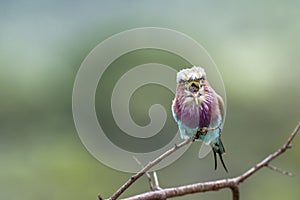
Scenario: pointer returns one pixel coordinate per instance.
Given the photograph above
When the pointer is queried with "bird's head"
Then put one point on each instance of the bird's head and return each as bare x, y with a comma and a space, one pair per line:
190, 83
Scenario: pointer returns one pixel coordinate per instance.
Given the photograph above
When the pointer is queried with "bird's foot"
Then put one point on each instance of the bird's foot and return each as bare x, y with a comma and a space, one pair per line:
203, 130
200, 131
195, 137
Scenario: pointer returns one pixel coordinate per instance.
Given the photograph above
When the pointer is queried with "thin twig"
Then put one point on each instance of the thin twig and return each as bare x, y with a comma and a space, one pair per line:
157, 187
147, 168
151, 187
231, 183
277, 169
147, 174
269, 158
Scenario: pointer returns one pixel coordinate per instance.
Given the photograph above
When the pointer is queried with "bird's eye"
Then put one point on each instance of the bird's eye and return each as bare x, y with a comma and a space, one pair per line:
183, 82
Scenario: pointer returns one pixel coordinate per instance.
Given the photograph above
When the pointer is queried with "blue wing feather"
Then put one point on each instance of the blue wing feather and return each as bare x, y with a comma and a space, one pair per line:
213, 135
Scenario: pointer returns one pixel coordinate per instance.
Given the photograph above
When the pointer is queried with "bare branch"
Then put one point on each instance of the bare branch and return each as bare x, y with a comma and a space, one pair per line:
231, 183
269, 158
235, 192
147, 174
281, 171
150, 181
186, 189
157, 187
147, 168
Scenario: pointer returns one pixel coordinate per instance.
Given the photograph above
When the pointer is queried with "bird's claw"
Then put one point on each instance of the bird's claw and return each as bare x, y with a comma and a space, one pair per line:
200, 131
203, 130
195, 137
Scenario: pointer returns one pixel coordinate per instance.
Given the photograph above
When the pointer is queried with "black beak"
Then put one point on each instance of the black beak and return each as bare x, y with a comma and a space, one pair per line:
194, 87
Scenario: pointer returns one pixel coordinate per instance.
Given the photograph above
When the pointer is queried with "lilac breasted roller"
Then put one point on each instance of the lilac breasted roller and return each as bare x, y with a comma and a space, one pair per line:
197, 107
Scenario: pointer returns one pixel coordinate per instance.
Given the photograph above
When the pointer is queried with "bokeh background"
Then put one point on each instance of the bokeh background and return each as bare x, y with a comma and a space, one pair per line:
255, 45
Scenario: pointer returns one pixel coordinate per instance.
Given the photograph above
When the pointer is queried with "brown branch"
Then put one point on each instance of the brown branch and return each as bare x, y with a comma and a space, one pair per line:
146, 168
235, 192
147, 174
231, 183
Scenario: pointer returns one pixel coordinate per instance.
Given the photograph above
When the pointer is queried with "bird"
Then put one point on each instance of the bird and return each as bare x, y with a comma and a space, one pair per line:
199, 110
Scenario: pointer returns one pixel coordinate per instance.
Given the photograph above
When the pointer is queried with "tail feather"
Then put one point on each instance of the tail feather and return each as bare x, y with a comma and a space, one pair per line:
215, 158
219, 149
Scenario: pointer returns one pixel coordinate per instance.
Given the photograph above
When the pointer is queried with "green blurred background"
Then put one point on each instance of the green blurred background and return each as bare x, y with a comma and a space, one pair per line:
42, 44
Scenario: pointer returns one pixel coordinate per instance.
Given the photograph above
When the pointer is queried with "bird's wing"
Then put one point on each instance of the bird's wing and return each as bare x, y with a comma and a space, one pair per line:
222, 108
173, 111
